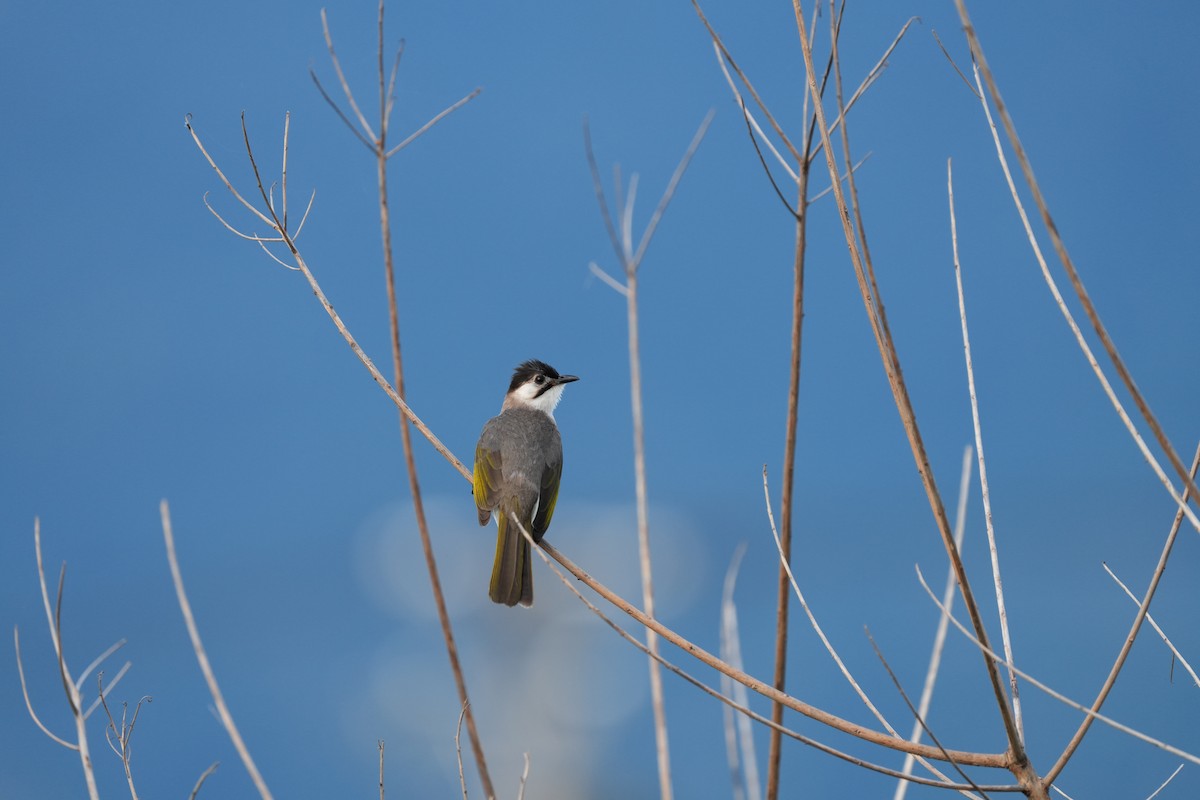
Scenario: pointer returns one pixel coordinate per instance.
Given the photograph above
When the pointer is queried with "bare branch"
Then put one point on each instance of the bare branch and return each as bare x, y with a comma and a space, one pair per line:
277, 259
739, 737
344, 331
341, 115
25, 694
750, 119
1093, 715
462, 779
1074, 326
939, 637
612, 282
623, 244
746, 82
920, 719
203, 777
124, 734
54, 622
762, 160
524, 778
829, 648
107, 689
1001, 609
202, 658
337, 67
381, 744
868, 289
1068, 264
237, 195
1174, 650
304, 219
872, 76
598, 187
1170, 778
998, 760
950, 58
829, 189
438, 118
546, 551
1134, 628
655, 218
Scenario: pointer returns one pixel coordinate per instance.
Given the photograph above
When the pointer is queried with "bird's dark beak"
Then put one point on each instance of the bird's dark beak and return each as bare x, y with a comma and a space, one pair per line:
566, 379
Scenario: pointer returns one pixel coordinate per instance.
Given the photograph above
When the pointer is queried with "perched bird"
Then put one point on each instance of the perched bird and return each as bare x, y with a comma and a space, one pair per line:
518, 463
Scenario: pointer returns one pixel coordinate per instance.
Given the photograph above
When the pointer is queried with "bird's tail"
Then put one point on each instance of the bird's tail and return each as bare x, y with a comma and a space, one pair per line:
512, 574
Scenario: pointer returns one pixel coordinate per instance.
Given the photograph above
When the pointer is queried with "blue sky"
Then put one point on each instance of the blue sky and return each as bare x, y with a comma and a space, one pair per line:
149, 354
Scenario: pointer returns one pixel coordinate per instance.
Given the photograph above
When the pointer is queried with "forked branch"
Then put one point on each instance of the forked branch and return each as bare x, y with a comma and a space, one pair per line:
378, 144
864, 273
631, 260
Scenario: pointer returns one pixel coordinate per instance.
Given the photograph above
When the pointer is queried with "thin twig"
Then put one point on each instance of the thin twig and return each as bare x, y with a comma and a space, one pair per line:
202, 658
950, 58
462, 778
887, 350
398, 399
302, 265
794, 213
631, 261
612, 282
1074, 326
816, 626
74, 701
739, 737
829, 189
1170, 778
775, 126
913, 709
524, 778
441, 115
1174, 650
1000, 760
1062, 698
203, 777
1126, 647
1001, 609
124, 734
1064, 257
28, 702
750, 119
939, 637
381, 784
97, 661
337, 67
546, 551
872, 76
669, 192
380, 150
337, 110
107, 689
1180, 499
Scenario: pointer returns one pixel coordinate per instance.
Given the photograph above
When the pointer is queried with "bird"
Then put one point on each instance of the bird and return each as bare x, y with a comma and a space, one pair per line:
518, 464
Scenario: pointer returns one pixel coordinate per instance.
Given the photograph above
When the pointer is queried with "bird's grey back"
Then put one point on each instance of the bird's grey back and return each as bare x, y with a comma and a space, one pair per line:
528, 440
529, 443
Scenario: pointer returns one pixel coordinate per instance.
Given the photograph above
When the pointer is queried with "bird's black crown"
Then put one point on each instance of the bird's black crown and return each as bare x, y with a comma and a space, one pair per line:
529, 369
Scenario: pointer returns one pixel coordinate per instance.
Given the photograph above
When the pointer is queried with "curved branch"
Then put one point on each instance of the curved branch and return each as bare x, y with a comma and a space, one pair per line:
997, 760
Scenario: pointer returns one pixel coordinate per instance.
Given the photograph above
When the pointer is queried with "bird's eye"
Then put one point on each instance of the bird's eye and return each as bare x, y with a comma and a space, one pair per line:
540, 379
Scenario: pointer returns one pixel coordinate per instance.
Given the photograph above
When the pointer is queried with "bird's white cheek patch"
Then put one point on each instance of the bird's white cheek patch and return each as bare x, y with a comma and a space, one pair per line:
548, 401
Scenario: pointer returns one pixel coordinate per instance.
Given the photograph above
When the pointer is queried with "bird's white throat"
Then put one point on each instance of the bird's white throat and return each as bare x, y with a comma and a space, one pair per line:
526, 396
